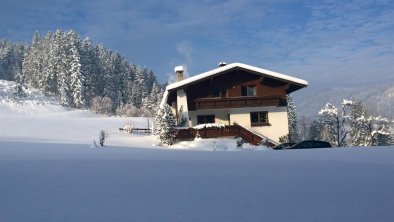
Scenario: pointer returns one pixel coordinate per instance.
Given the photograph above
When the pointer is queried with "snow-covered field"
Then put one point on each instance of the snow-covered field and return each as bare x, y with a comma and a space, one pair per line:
49, 172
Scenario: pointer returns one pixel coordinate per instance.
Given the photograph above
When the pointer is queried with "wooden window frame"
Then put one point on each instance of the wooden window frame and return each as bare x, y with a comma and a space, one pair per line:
259, 120
206, 118
247, 88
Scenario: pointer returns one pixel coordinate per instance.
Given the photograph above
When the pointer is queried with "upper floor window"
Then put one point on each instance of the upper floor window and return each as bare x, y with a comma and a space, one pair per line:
218, 92
248, 90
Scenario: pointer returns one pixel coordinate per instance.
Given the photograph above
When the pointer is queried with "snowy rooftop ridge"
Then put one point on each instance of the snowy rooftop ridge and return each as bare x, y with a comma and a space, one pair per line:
233, 65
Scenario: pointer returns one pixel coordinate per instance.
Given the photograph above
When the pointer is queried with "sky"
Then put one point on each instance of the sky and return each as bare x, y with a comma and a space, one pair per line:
328, 43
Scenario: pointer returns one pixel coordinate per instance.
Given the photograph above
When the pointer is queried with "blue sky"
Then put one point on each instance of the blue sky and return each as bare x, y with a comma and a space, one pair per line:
328, 43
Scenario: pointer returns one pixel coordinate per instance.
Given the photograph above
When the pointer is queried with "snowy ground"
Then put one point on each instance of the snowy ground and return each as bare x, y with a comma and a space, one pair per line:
49, 172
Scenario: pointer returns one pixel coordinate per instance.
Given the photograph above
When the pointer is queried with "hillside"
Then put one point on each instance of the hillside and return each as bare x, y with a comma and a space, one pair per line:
51, 172
379, 99
37, 118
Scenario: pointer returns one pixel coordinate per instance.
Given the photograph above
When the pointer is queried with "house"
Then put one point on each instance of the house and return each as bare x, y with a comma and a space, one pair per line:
235, 93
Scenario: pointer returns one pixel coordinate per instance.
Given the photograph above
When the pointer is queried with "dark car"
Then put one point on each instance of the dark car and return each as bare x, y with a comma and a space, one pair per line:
283, 146
309, 144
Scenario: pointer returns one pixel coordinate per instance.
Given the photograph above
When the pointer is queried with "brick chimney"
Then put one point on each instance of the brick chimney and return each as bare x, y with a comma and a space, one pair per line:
179, 73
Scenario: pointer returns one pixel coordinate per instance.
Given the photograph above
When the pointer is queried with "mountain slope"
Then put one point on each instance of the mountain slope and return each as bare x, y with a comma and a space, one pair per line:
379, 99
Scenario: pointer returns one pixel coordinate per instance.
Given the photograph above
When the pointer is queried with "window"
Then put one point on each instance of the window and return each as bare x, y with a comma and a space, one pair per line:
248, 90
216, 92
259, 118
205, 119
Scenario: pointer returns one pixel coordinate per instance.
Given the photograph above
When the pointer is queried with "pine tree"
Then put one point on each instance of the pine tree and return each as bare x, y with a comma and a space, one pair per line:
292, 120
76, 79
20, 87
314, 131
165, 125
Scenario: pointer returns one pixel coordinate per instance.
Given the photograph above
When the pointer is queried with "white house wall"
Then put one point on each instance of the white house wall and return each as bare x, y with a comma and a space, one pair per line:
277, 117
221, 116
182, 102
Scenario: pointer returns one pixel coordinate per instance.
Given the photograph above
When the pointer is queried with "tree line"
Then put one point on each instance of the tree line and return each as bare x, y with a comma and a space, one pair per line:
80, 74
350, 125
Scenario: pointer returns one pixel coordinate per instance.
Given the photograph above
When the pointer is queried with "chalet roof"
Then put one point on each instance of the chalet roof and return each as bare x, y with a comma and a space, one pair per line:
223, 69
296, 82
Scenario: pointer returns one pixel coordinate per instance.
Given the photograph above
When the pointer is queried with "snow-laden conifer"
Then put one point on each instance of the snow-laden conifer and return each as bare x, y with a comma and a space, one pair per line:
292, 120
165, 125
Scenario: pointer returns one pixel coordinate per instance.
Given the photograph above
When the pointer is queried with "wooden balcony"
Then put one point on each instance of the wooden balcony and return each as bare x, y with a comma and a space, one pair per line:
238, 102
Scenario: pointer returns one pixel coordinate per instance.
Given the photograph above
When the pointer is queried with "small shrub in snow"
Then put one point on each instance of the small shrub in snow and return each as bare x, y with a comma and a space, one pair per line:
102, 137
240, 142
101, 105
284, 139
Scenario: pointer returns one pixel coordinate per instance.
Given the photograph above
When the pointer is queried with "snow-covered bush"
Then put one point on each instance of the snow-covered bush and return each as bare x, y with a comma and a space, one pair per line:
128, 110
101, 105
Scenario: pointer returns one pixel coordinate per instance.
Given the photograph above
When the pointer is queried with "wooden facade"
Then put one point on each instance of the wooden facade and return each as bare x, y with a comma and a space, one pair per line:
225, 91
238, 102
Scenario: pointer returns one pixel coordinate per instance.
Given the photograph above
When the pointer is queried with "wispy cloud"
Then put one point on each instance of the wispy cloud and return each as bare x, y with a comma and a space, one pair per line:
326, 42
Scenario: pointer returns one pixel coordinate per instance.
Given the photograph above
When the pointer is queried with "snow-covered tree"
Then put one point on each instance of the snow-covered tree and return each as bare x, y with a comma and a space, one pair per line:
335, 124
303, 124
165, 125
354, 126
20, 87
101, 105
75, 71
127, 110
11, 59
292, 120
315, 130
76, 78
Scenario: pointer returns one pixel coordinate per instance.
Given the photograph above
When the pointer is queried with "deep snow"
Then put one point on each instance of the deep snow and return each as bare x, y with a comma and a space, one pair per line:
49, 172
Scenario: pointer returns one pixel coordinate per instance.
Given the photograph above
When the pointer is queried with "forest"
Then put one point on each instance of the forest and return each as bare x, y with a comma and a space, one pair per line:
81, 74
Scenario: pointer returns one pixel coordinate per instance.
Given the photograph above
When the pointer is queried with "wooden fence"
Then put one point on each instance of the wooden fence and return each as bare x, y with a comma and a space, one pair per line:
226, 131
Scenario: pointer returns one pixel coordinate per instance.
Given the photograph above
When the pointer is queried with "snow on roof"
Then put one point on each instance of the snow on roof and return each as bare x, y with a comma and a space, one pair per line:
178, 69
233, 65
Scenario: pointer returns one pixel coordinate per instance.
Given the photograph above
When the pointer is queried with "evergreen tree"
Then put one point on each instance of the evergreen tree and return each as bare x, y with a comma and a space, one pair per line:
292, 120
165, 125
359, 125
76, 79
76, 72
20, 87
11, 58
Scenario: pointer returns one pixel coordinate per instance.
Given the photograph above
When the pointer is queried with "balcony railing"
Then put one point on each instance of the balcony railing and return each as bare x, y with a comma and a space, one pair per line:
227, 131
238, 102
